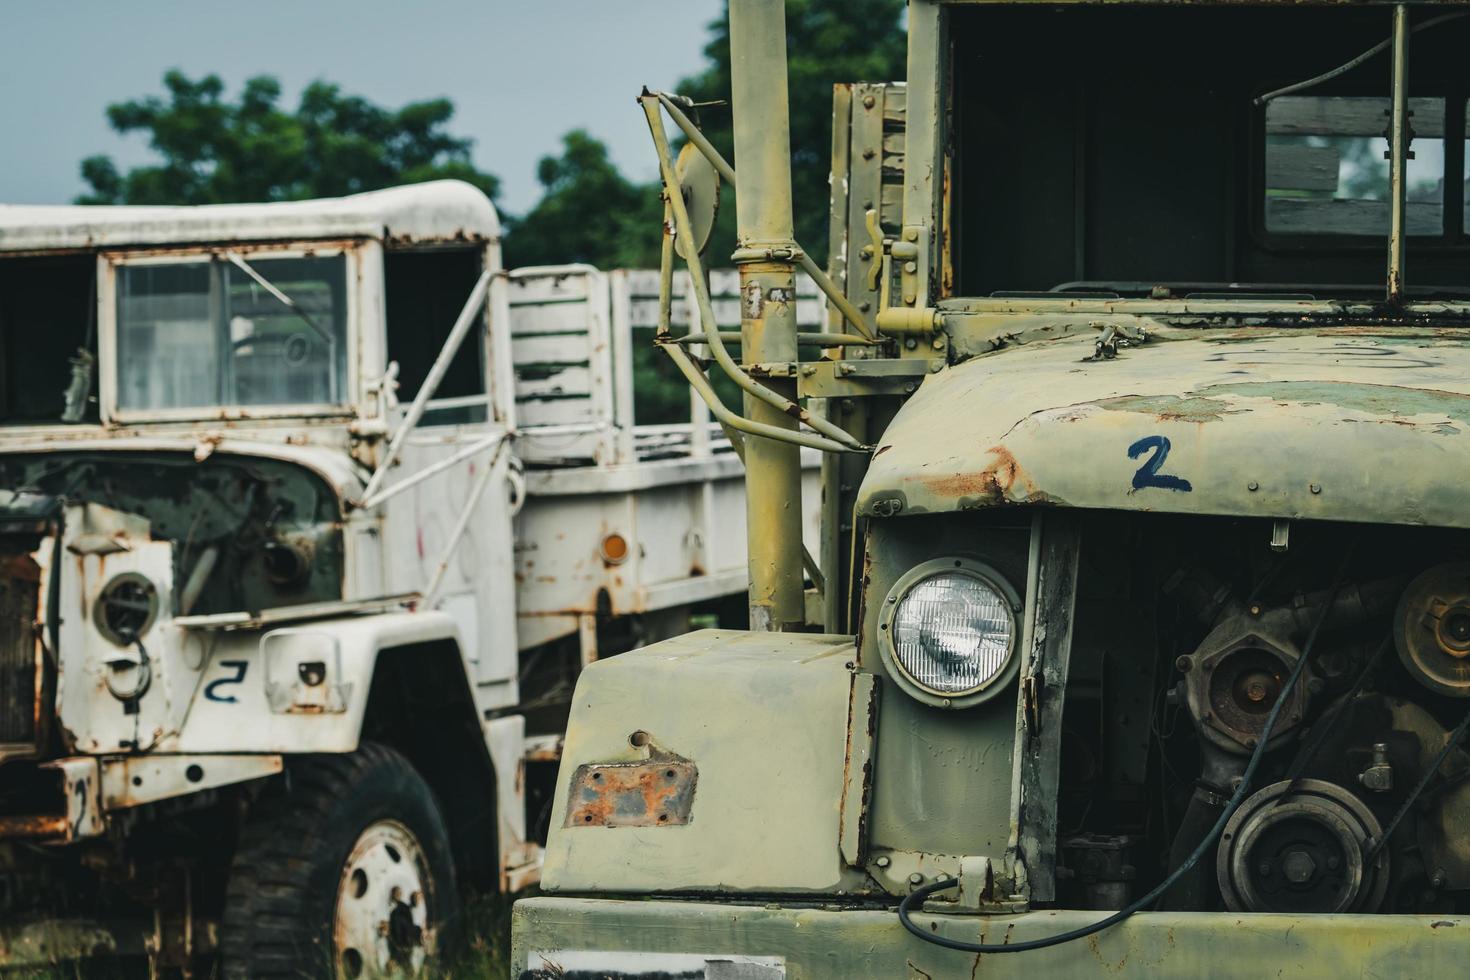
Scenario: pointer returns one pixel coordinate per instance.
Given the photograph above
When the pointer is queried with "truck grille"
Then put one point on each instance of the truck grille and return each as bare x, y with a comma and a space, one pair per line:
20, 583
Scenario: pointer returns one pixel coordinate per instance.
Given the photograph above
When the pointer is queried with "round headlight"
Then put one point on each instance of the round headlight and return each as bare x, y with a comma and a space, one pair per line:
950, 628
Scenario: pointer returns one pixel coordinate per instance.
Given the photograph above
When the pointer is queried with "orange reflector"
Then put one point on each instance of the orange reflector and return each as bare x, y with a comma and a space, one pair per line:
614, 549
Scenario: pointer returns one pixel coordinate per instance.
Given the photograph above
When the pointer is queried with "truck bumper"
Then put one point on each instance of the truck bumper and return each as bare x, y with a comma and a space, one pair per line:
573, 937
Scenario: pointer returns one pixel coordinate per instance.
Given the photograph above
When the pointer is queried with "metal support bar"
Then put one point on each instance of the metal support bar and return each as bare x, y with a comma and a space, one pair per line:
730, 420
782, 404
473, 449
811, 339
808, 264
766, 262
431, 383
1398, 154
477, 490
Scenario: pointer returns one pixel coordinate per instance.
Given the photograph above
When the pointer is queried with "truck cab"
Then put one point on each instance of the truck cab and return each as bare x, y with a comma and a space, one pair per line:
1144, 558
310, 515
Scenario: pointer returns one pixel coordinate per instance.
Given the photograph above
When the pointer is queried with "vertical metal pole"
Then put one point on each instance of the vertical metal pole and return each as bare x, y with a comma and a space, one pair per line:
1398, 154
766, 259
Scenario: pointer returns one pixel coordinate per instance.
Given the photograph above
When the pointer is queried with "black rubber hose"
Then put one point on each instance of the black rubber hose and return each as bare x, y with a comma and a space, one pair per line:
919, 895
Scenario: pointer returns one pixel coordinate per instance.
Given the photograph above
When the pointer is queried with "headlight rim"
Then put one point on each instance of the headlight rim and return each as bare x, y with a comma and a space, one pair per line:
987, 575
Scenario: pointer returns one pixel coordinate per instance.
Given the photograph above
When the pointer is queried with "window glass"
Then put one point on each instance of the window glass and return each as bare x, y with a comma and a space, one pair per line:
1466, 224
207, 333
280, 355
1327, 166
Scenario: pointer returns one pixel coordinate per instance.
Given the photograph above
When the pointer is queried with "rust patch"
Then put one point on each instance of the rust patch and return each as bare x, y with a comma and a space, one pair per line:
33, 827
994, 482
657, 793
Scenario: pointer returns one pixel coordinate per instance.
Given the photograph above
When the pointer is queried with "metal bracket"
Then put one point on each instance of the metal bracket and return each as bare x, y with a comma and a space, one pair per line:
866, 377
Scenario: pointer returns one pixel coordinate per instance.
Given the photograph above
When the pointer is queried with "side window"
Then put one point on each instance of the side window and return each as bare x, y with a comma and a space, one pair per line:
47, 316
1327, 167
425, 292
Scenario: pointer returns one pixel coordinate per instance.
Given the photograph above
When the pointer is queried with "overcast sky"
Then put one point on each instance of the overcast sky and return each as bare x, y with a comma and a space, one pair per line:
520, 72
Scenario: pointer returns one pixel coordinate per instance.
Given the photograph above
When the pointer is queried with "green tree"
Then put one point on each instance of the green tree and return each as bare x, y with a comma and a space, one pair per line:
827, 42
591, 213
217, 151
588, 212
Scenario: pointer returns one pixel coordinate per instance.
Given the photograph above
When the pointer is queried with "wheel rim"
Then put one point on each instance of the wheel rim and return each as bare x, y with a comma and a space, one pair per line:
384, 898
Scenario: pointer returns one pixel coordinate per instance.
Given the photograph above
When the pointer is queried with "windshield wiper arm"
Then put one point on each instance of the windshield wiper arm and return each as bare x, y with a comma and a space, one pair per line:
285, 300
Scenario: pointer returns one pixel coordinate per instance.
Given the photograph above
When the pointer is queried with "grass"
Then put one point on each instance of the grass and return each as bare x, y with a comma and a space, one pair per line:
484, 948
483, 952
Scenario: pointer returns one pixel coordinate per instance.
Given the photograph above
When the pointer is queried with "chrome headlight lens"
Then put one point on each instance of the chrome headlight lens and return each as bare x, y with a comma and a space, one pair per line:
950, 629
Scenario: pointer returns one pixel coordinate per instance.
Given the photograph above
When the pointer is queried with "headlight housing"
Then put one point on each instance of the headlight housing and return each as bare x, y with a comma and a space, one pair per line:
948, 632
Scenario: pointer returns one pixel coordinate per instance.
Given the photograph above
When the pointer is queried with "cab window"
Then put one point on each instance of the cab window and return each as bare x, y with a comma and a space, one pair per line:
220, 333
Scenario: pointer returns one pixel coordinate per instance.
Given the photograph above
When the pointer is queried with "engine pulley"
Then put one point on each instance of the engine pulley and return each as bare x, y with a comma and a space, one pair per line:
1298, 846
1432, 629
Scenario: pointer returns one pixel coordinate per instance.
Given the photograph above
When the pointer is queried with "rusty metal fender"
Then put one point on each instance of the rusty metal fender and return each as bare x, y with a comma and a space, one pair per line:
752, 727
1339, 425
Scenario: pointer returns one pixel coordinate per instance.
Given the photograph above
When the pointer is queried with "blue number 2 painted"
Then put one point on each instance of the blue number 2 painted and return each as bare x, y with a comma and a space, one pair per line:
212, 689
1148, 474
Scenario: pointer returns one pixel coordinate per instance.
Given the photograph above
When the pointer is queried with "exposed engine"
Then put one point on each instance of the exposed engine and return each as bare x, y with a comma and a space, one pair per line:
1362, 800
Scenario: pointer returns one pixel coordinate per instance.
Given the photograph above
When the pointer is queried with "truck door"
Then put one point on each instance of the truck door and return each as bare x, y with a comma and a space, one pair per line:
425, 526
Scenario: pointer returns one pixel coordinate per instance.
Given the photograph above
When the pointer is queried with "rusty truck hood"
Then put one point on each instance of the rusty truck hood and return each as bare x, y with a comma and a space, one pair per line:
1328, 426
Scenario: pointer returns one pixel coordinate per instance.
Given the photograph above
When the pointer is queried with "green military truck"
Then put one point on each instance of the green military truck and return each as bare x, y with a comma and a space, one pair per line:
1138, 641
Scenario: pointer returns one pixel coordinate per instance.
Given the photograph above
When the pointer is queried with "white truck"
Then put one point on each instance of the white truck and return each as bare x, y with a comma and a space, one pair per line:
309, 515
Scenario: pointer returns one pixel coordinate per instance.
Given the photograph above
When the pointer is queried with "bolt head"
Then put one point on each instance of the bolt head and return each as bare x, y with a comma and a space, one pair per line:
1315, 488
883, 861
916, 879
1298, 867
1253, 486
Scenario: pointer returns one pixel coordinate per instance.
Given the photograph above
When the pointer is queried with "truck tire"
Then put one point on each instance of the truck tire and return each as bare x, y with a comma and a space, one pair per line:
345, 871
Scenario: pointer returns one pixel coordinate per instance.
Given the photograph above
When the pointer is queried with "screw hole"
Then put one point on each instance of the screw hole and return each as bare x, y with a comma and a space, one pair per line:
638, 739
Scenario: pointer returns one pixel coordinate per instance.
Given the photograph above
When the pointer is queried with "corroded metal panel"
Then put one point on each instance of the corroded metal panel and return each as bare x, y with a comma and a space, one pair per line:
868, 944
1331, 426
658, 793
762, 717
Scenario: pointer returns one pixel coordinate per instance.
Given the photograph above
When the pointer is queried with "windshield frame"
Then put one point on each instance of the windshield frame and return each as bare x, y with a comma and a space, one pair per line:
108, 264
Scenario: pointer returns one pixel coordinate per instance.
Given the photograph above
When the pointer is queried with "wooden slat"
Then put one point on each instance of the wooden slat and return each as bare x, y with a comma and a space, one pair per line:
1302, 168
541, 289
569, 381
1314, 216
539, 349
566, 411
895, 102
1341, 116
890, 212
